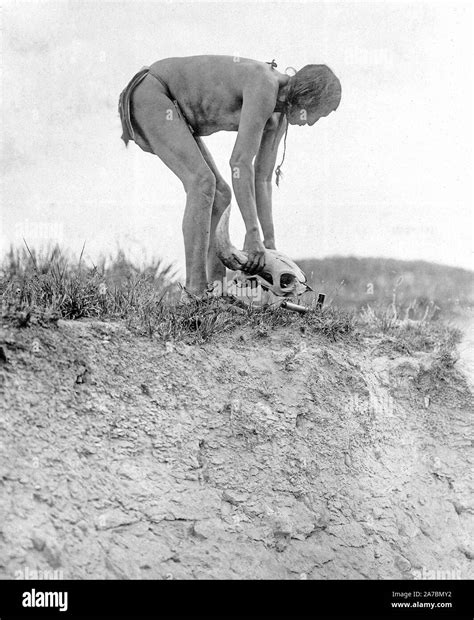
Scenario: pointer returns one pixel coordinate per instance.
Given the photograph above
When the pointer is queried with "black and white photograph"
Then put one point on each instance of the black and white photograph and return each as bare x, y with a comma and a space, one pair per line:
236, 270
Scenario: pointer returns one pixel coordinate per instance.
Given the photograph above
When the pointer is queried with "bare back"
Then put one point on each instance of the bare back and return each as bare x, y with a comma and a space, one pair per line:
211, 89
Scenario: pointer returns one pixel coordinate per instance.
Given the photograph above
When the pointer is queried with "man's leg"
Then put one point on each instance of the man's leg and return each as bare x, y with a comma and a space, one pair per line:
169, 137
215, 268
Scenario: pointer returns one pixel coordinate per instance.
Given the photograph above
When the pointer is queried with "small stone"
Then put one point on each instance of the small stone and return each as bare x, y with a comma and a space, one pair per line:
3, 356
234, 498
402, 564
281, 544
81, 376
38, 542
467, 551
378, 512
197, 531
145, 390
207, 528
458, 507
282, 527
52, 553
114, 518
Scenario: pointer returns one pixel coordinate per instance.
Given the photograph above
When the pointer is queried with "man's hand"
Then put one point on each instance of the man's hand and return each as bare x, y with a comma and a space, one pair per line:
256, 255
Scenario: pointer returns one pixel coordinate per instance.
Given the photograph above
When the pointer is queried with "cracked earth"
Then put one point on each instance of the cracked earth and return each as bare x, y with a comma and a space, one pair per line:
288, 456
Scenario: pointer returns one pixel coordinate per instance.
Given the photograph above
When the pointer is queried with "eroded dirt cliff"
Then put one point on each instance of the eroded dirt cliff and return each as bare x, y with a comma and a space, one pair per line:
272, 455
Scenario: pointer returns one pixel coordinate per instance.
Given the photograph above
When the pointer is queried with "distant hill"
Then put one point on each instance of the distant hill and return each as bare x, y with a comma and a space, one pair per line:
373, 281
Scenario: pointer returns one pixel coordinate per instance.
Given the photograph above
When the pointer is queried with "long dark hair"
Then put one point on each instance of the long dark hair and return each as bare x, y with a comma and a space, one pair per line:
314, 86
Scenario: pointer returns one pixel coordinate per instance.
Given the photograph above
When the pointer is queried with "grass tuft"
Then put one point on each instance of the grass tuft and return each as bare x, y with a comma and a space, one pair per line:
41, 287
54, 284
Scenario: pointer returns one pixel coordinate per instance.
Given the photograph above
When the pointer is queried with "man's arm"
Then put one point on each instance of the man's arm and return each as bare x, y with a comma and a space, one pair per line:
264, 166
259, 96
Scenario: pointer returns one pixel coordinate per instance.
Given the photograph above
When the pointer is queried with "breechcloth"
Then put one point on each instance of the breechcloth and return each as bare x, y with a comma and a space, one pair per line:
128, 132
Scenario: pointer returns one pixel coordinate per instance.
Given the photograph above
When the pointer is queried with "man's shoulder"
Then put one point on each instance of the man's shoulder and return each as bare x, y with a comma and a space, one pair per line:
259, 78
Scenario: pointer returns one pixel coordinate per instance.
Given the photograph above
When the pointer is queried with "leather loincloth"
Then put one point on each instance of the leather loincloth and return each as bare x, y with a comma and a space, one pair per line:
128, 132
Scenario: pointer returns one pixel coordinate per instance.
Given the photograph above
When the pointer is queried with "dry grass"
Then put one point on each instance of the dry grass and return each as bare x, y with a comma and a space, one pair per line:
199, 320
55, 285
43, 287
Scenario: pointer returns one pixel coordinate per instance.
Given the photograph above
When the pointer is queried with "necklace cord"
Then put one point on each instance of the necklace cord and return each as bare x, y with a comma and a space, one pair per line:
278, 172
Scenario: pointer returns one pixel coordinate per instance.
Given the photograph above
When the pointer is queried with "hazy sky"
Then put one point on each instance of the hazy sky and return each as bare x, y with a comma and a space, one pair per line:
388, 174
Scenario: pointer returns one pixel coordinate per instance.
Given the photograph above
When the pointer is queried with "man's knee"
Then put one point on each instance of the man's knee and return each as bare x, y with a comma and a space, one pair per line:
203, 184
223, 196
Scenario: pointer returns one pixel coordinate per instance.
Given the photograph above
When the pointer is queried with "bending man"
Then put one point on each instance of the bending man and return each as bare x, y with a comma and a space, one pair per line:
168, 107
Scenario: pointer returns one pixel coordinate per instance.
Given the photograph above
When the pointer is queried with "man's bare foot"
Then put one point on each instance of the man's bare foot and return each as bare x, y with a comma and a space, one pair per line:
211, 292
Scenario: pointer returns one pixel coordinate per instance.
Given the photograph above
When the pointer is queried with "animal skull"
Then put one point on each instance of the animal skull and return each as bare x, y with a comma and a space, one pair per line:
281, 275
